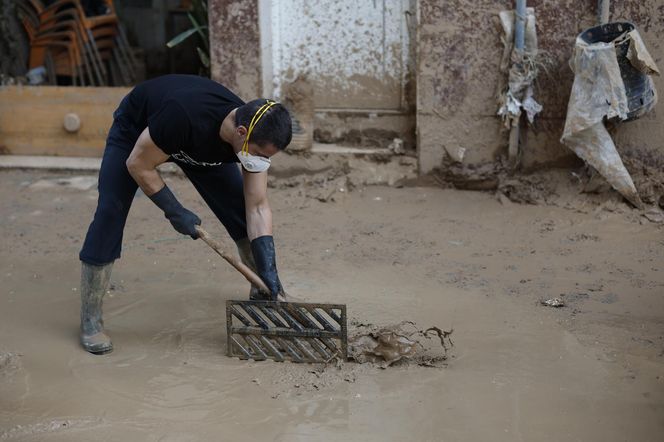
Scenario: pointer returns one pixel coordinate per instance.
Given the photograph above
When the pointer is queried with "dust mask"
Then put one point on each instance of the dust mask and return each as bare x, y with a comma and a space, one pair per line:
251, 162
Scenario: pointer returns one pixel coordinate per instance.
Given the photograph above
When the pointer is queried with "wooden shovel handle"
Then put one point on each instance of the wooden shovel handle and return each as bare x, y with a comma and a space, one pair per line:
232, 260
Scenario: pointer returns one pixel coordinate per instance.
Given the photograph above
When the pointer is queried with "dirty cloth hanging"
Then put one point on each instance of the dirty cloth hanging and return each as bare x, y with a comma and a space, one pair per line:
516, 92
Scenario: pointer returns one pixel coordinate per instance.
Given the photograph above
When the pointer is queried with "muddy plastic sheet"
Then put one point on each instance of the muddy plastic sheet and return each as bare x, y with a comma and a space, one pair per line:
598, 92
639, 56
521, 69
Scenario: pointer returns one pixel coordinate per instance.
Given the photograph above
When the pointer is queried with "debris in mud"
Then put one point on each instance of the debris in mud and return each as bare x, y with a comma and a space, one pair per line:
528, 189
556, 187
371, 347
655, 215
324, 187
554, 302
48, 427
298, 379
456, 153
539, 188
82, 182
10, 363
470, 176
646, 171
385, 346
397, 147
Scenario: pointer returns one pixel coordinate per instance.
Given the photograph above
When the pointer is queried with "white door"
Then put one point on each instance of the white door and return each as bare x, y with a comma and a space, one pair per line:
354, 52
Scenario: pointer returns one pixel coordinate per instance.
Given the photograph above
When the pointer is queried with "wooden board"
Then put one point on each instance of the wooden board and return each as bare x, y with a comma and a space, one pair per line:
31, 119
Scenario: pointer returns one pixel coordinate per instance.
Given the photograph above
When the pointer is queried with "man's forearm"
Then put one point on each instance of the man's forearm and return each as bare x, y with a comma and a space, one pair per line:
148, 180
143, 161
259, 221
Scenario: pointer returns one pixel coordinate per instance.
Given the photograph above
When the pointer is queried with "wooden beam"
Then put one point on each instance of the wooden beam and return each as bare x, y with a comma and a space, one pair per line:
32, 119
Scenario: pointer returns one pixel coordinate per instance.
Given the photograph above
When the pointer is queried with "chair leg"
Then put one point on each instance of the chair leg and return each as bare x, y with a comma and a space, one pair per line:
100, 62
123, 59
95, 63
117, 61
87, 69
49, 64
124, 43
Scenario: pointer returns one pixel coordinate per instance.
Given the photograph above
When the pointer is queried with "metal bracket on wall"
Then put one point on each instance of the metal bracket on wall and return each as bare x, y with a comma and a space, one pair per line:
294, 331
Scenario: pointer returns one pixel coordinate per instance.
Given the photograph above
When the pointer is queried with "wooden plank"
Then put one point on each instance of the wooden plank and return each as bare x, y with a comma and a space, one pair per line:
31, 119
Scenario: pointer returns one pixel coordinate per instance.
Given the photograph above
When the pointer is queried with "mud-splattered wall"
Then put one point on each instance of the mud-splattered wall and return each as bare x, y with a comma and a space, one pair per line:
459, 51
355, 54
358, 57
235, 52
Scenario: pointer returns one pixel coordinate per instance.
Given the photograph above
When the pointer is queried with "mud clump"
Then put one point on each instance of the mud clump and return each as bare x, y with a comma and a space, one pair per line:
529, 189
10, 363
648, 176
472, 177
370, 348
402, 343
536, 188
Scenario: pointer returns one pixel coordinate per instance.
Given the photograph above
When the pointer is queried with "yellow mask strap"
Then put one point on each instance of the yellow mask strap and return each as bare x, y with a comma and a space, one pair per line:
256, 118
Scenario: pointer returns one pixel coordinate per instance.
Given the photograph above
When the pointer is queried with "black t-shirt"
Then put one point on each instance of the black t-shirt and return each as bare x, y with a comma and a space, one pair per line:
184, 115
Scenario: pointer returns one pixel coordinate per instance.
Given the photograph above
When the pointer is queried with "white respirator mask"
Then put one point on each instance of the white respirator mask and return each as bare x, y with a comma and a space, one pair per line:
251, 162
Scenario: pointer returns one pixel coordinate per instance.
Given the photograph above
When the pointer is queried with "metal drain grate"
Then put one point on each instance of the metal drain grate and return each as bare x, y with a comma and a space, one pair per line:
295, 331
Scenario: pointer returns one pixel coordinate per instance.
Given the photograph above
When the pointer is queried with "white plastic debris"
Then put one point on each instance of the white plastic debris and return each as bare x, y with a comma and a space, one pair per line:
397, 146
554, 302
598, 92
521, 67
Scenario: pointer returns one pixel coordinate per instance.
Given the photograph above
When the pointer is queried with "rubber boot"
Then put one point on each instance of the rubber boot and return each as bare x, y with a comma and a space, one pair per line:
94, 283
247, 258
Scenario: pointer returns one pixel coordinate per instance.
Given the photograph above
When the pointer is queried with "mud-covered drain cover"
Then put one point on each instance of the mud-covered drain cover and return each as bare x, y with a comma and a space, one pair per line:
295, 331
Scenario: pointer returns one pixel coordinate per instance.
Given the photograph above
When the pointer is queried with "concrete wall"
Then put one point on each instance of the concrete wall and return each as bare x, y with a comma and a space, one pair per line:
258, 44
459, 51
235, 51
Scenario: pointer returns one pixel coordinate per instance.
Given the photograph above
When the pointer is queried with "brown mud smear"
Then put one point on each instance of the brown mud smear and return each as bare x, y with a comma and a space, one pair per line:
433, 256
647, 174
404, 343
10, 364
582, 189
371, 349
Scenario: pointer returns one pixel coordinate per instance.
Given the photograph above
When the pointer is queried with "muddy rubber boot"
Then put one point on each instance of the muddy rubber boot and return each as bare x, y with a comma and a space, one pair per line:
94, 283
247, 258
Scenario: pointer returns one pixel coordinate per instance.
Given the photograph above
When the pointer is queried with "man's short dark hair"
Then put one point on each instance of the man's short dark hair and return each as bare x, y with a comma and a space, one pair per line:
274, 127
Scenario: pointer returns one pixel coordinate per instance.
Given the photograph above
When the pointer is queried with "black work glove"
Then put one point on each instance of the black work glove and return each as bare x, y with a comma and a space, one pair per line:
183, 220
266, 264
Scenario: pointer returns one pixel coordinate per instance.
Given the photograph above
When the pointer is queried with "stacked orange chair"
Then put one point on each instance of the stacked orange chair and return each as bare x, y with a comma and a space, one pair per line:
76, 45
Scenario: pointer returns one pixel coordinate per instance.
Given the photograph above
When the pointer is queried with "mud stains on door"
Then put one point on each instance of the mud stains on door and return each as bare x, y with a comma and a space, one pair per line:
356, 54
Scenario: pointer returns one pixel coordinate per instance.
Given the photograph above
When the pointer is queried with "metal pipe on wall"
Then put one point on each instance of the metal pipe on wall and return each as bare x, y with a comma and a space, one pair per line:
519, 43
603, 11
520, 25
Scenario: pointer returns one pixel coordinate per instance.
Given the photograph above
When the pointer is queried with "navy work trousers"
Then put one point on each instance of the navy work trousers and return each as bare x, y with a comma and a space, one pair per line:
220, 186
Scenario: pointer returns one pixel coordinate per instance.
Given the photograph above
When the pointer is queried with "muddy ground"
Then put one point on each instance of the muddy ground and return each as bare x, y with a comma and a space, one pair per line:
520, 371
